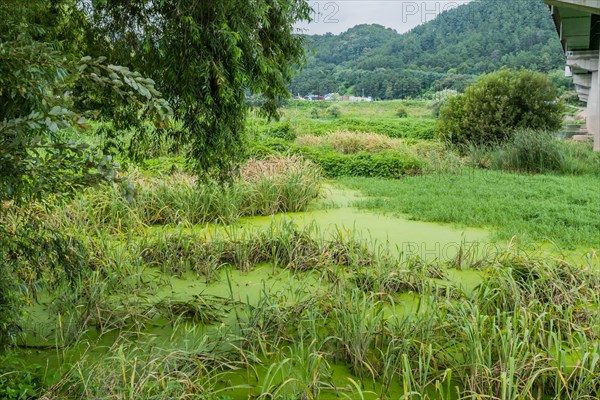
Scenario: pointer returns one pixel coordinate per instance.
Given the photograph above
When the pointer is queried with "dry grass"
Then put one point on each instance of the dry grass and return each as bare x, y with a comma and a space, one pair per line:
275, 167
352, 142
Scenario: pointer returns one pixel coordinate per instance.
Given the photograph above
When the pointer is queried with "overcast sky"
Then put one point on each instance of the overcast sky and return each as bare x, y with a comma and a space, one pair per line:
337, 16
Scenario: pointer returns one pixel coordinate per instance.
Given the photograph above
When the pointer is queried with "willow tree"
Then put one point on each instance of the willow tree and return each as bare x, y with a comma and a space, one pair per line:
41, 62
205, 57
61, 59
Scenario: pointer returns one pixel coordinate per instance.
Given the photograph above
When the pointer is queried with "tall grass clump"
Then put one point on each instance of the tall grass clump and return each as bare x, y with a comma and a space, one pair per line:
283, 244
152, 370
278, 184
535, 151
264, 187
179, 198
530, 151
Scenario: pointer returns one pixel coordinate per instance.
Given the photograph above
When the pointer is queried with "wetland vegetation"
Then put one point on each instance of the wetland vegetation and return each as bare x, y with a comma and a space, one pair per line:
165, 287
182, 244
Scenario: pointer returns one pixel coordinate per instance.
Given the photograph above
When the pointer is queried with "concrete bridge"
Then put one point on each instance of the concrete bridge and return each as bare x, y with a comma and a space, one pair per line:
578, 26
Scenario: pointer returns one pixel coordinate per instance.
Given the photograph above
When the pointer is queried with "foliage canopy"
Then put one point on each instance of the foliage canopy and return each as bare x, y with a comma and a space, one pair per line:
205, 56
498, 104
41, 66
66, 59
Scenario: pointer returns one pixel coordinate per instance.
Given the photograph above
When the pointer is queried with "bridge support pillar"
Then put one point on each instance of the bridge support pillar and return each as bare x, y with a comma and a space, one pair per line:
585, 65
594, 109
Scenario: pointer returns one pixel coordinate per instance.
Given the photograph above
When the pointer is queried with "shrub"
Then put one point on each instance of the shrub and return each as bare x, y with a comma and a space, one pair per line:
401, 112
497, 105
267, 147
314, 113
385, 164
334, 111
282, 130
19, 381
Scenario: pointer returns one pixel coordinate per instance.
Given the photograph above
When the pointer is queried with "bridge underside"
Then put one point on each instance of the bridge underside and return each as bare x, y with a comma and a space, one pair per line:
578, 26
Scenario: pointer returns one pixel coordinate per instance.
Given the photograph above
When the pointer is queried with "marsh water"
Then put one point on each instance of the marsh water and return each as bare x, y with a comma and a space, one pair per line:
46, 344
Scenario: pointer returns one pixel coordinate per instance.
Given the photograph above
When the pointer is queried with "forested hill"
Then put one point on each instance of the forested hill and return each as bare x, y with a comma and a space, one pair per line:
447, 52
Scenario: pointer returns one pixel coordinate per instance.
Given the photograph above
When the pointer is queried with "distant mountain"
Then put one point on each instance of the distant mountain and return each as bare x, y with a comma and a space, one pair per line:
447, 52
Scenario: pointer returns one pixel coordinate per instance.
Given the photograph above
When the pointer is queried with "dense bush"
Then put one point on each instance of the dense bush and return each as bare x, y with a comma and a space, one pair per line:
19, 381
334, 111
385, 164
266, 147
498, 104
401, 112
281, 130
356, 154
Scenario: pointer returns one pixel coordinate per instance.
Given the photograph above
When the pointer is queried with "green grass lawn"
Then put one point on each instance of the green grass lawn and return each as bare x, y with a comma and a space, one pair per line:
561, 209
375, 117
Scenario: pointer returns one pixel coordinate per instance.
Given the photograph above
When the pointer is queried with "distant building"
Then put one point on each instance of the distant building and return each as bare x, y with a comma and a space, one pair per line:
355, 98
313, 97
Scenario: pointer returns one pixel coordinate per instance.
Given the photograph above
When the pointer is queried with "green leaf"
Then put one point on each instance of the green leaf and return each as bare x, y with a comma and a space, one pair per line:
56, 110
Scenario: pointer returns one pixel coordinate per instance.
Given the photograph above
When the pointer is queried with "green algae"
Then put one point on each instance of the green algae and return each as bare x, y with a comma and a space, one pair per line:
333, 214
244, 286
246, 289
425, 240
409, 238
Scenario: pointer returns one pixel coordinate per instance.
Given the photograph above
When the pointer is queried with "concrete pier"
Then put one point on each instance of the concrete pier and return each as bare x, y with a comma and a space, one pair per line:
584, 67
593, 109
578, 26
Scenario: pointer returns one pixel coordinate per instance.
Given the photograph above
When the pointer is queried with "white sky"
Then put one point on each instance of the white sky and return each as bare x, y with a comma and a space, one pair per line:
337, 16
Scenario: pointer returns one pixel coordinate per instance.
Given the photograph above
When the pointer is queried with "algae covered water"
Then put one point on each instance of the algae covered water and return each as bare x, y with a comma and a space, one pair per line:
217, 308
330, 303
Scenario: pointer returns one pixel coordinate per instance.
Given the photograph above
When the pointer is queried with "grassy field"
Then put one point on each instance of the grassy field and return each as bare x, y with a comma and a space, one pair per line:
314, 117
297, 110
563, 210
163, 287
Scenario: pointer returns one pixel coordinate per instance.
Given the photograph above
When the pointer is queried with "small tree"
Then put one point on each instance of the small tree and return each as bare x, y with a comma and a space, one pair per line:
334, 111
401, 112
499, 103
